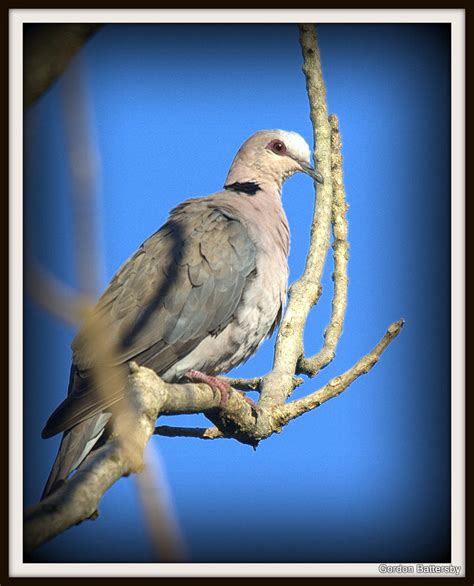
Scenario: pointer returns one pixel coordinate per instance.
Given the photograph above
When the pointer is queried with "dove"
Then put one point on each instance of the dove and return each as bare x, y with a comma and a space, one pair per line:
197, 298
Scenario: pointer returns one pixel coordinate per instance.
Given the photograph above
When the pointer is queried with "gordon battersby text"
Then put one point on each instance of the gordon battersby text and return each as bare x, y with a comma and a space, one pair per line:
419, 569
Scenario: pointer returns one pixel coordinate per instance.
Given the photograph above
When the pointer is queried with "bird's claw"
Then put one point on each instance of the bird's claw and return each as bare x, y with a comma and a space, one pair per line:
217, 384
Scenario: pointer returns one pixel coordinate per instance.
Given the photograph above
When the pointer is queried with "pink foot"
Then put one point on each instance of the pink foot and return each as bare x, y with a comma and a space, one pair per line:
215, 384
218, 385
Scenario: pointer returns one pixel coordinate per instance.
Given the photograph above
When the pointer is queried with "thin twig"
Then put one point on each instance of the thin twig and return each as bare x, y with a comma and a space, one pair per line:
243, 383
340, 245
340, 383
253, 384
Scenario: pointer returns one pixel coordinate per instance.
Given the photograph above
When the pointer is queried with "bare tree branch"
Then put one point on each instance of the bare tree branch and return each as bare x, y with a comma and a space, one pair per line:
78, 498
304, 293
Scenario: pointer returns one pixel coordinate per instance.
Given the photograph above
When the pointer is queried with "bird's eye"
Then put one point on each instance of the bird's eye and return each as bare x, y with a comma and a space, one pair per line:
278, 147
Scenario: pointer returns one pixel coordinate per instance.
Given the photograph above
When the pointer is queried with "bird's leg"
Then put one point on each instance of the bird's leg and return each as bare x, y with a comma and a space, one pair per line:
217, 384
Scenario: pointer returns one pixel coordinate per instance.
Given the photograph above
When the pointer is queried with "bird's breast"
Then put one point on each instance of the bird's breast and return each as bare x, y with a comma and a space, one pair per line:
254, 317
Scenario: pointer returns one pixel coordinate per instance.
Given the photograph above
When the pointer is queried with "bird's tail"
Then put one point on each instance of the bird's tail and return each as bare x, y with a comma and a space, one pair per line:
76, 444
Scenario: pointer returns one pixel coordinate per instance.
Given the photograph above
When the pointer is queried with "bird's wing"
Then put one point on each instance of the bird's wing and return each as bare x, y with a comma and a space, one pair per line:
182, 285
75, 445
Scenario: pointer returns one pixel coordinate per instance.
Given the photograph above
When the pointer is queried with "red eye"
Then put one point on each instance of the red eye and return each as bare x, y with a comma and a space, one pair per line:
277, 146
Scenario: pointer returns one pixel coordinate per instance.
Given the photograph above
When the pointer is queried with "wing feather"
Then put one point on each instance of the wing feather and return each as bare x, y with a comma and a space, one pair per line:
183, 284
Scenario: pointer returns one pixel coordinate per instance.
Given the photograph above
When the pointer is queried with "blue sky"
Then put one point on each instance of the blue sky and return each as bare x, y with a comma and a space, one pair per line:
365, 477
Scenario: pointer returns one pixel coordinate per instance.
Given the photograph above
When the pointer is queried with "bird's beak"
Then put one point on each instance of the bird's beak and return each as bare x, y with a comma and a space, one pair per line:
306, 167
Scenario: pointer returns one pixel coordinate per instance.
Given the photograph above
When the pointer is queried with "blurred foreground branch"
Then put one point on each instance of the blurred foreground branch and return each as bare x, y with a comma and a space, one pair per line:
124, 452
48, 49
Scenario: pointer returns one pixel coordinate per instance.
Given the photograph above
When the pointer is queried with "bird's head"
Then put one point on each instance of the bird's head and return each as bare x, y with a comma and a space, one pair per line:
271, 156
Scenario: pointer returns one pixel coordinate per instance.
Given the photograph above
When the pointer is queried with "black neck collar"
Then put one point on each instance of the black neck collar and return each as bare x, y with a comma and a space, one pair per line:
248, 187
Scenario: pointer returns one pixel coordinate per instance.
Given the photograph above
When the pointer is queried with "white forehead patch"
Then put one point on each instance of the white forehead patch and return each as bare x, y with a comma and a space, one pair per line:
296, 144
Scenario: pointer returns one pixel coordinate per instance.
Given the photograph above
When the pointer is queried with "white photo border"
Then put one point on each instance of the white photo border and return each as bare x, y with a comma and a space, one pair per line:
17, 17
